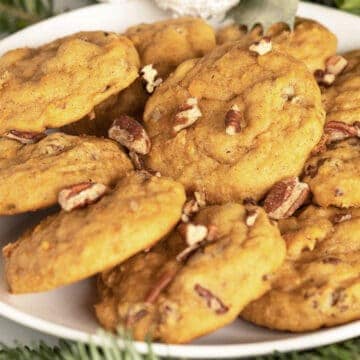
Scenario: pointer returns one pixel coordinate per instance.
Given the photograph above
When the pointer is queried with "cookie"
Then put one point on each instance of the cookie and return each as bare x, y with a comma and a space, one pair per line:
164, 45
318, 285
60, 82
309, 42
334, 174
341, 99
70, 246
175, 298
31, 176
234, 122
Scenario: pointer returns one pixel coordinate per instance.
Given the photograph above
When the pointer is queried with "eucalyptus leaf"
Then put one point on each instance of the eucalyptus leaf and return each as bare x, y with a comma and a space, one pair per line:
264, 12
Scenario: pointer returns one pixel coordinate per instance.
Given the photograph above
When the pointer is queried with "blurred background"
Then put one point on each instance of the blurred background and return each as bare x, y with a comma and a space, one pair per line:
17, 14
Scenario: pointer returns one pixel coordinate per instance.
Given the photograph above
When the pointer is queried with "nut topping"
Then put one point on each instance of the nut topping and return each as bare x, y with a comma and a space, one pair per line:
262, 47
149, 74
193, 234
130, 133
339, 218
337, 130
212, 301
336, 64
324, 78
80, 195
285, 197
25, 137
234, 121
251, 216
188, 113
161, 284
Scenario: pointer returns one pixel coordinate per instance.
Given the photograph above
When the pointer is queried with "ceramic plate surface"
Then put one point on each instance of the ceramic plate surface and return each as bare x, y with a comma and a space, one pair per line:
67, 312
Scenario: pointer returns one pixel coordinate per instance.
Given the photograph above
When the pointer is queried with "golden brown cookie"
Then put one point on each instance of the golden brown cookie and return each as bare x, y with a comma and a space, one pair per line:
342, 99
234, 123
175, 298
70, 246
165, 45
310, 41
334, 174
31, 176
318, 285
60, 82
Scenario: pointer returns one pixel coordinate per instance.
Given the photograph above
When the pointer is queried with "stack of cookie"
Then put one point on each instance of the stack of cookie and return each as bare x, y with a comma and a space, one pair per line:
228, 184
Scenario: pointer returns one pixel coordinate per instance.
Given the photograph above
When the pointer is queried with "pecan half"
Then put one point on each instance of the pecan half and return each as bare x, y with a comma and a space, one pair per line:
160, 285
25, 137
251, 216
130, 133
187, 114
212, 301
80, 195
336, 64
150, 76
234, 121
262, 47
324, 78
337, 130
285, 197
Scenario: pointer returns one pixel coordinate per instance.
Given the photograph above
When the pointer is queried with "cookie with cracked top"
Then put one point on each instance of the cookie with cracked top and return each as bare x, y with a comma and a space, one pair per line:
70, 246
182, 289
234, 123
60, 82
318, 285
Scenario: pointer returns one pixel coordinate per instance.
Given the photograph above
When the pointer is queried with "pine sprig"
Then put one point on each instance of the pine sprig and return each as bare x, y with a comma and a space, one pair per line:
348, 350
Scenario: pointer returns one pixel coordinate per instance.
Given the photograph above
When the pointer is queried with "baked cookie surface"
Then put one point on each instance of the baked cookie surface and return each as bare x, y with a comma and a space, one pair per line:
67, 247
274, 102
157, 294
165, 45
32, 175
342, 99
60, 82
318, 285
334, 175
310, 41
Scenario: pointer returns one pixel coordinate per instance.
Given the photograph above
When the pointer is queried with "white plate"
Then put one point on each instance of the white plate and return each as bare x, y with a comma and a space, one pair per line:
67, 312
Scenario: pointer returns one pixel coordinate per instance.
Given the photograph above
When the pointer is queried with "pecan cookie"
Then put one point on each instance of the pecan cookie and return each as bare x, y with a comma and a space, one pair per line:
334, 174
60, 82
318, 285
190, 285
234, 122
309, 42
32, 175
70, 246
162, 46
342, 98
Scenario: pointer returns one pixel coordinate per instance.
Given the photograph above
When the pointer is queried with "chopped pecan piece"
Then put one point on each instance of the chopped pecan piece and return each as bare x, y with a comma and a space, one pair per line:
130, 133
339, 218
337, 130
336, 64
192, 233
262, 47
212, 301
251, 216
150, 76
234, 121
25, 137
324, 78
187, 114
193, 205
80, 195
160, 285
285, 197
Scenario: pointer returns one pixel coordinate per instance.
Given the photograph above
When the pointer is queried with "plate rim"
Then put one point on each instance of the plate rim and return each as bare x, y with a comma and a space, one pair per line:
293, 343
